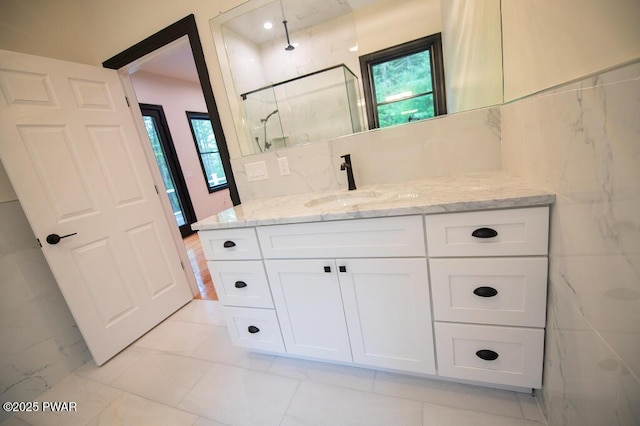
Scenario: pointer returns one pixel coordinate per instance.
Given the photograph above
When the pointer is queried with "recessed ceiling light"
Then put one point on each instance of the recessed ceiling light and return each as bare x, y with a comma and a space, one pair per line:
268, 25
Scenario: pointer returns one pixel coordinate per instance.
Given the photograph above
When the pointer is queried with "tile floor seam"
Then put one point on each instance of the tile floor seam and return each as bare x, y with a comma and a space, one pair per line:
136, 393
192, 387
293, 396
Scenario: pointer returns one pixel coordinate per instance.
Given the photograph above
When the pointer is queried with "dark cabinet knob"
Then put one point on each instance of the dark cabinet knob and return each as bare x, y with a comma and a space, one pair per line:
240, 284
253, 329
485, 291
327, 268
229, 244
55, 238
487, 354
342, 268
484, 233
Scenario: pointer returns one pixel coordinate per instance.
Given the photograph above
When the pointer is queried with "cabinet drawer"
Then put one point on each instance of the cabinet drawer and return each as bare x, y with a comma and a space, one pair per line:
506, 291
241, 283
254, 328
466, 352
230, 244
380, 237
489, 233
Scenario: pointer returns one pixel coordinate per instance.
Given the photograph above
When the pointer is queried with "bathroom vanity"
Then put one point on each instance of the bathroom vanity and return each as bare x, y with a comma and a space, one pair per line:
444, 277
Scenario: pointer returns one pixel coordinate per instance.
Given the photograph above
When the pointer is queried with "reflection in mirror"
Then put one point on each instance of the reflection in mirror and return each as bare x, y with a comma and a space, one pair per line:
299, 82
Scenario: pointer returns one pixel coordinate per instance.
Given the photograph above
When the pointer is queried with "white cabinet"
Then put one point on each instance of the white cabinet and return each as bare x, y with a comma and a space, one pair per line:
379, 237
499, 290
238, 275
308, 301
360, 291
492, 354
513, 232
473, 282
374, 312
254, 328
386, 303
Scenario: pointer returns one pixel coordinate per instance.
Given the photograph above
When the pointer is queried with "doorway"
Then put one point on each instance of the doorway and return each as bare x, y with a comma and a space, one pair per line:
153, 46
184, 27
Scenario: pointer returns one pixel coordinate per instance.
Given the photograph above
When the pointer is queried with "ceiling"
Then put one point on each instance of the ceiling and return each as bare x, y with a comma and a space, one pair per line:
299, 14
176, 63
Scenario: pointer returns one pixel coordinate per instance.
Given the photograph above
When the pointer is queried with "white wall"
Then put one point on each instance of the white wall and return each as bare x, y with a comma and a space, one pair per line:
468, 142
177, 97
581, 142
40, 342
472, 49
547, 43
391, 22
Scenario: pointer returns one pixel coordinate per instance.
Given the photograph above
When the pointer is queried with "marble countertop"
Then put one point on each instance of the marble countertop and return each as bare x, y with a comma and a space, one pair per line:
482, 191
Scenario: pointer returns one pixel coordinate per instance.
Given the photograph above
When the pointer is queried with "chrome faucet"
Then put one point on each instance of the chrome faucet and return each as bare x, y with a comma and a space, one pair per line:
347, 166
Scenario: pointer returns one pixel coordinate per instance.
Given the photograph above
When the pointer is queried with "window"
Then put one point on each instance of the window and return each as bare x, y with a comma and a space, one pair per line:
207, 146
404, 83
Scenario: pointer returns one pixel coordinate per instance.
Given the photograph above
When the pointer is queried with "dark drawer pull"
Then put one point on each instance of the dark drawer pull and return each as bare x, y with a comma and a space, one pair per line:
327, 268
487, 354
485, 291
229, 244
342, 268
484, 233
253, 329
240, 284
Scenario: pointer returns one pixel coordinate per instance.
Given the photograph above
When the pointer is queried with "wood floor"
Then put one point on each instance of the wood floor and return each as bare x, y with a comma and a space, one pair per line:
199, 266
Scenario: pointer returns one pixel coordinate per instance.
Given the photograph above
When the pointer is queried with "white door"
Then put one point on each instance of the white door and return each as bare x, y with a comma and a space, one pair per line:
74, 157
306, 294
386, 303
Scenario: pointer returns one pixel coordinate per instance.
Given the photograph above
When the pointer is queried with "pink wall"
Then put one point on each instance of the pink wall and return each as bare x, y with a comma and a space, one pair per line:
177, 97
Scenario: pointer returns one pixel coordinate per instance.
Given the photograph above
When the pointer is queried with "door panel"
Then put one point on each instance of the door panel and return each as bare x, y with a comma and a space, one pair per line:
388, 312
110, 147
76, 161
48, 147
309, 306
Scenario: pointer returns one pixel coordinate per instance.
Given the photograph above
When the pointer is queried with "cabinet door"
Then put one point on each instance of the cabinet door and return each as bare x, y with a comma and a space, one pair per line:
309, 306
386, 303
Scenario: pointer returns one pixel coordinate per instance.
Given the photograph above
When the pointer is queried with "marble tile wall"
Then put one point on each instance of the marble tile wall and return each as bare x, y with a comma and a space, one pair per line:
582, 141
40, 343
460, 143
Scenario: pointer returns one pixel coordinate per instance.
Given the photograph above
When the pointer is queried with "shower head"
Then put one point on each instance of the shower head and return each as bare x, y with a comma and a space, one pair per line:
264, 120
286, 31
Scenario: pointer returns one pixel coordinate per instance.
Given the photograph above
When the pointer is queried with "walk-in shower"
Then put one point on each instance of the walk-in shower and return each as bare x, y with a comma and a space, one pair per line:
309, 108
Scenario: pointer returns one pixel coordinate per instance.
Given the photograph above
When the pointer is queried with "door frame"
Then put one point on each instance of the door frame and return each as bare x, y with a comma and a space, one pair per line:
173, 163
185, 27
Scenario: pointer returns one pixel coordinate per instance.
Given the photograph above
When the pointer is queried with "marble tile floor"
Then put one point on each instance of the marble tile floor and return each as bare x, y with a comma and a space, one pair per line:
186, 372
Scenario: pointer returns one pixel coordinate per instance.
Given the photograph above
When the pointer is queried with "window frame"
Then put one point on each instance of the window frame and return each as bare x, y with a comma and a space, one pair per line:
433, 44
204, 116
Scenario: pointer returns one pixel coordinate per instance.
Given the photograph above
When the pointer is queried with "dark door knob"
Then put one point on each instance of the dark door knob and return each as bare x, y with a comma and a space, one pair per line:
55, 238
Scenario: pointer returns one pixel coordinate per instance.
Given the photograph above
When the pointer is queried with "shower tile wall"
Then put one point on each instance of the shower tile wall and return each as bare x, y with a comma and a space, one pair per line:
39, 341
583, 142
459, 143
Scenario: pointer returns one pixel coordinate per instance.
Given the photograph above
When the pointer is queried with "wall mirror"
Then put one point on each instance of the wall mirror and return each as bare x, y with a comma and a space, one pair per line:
291, 67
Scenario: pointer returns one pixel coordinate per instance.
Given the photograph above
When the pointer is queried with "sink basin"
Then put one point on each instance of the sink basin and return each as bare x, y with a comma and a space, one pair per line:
347, 199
